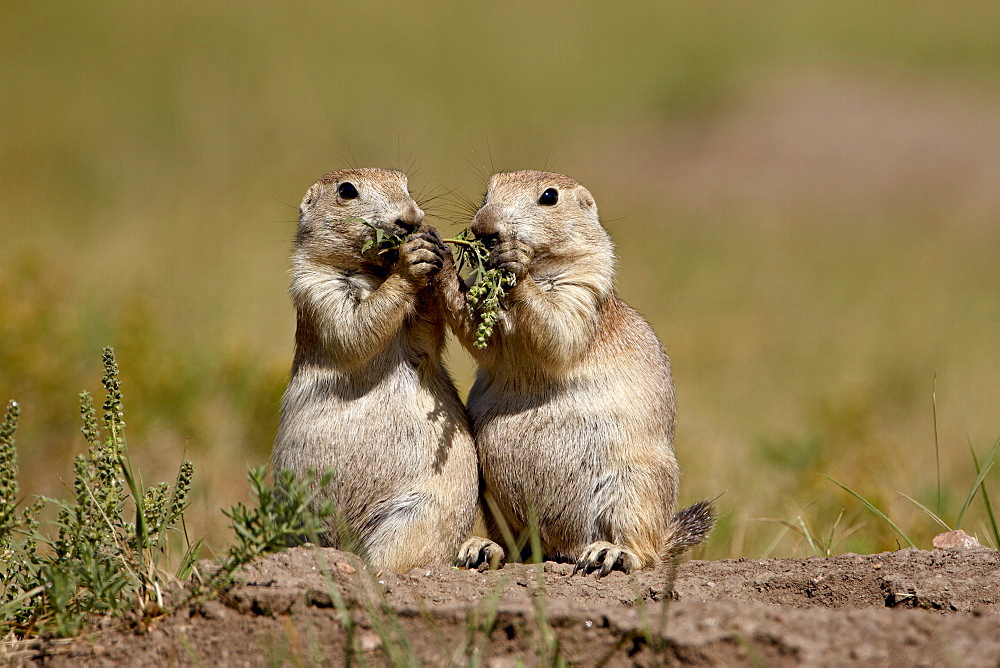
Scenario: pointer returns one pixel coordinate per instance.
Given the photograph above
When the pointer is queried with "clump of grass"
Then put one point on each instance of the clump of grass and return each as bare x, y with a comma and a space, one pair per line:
978, 488
111, 544
821, 545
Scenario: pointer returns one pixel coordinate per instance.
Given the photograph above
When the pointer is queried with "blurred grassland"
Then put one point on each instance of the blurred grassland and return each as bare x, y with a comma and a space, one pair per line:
803, 197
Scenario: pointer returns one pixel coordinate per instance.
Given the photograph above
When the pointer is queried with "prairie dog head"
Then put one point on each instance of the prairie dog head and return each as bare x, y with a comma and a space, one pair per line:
331, 230
550, 213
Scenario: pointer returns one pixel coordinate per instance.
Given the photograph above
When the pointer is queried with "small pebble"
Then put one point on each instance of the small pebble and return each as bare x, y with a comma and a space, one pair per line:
956, 539
345, 568
369, 641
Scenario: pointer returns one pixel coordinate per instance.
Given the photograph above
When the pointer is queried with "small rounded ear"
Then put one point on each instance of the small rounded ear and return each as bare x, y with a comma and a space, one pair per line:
586, 199
309, 200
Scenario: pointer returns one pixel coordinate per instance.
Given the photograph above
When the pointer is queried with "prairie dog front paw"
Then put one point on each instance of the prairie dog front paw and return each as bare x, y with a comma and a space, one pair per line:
511, 255
421, 256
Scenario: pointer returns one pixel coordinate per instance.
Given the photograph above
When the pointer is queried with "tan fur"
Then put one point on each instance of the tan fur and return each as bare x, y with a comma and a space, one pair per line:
368, 393
573, 405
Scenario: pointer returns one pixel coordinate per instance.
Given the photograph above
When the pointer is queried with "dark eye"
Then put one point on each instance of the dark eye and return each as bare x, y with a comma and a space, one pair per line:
347, 190
549, 197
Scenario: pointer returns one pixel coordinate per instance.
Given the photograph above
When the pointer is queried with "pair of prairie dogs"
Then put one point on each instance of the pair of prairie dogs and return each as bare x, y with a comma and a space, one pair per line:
568, 428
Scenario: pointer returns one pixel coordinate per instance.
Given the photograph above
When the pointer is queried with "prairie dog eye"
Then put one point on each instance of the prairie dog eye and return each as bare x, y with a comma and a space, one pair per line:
549, 197
347, 190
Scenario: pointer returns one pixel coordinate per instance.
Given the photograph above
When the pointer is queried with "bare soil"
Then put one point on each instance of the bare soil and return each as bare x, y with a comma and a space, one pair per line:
310, 605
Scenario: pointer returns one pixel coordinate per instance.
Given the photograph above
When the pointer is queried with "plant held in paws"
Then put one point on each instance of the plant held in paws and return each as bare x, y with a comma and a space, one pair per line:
485, 295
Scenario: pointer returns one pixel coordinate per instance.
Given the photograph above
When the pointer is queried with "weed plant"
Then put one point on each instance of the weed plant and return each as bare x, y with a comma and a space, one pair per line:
111, 543
287, 513
489, 285
109, 550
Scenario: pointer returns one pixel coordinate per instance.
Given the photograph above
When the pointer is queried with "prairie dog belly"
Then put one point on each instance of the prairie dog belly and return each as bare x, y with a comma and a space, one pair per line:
363, 434
565, 457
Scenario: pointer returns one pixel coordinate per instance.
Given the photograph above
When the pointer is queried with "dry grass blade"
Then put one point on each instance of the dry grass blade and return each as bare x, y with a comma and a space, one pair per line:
875, 510
801, 528
927, 510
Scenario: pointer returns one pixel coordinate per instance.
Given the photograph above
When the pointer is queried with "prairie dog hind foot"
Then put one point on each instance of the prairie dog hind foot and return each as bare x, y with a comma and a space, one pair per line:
604, 557
479, 552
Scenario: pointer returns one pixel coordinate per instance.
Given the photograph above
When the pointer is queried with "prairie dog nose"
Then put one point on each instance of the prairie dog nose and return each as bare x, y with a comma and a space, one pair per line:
486, 222
410, 218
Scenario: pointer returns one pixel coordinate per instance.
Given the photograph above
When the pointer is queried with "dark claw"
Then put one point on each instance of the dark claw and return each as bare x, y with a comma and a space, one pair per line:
432, 237
474, 560
606, 567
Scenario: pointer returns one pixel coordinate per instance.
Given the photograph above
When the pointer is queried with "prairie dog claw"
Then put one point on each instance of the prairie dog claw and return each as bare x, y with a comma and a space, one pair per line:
604, 557
478, 552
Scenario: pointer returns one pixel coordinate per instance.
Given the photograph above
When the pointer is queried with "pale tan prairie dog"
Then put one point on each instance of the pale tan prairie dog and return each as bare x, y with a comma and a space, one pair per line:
573, 406
368, 394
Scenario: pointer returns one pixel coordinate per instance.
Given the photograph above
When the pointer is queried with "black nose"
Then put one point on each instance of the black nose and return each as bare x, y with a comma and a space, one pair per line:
407, 225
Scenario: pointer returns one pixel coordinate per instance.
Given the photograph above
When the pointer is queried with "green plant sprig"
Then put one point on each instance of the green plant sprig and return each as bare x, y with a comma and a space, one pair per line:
489, 285
383, 241
96, 561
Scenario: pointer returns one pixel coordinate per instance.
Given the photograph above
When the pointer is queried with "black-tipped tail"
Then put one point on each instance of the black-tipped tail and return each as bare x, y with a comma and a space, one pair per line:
689, 527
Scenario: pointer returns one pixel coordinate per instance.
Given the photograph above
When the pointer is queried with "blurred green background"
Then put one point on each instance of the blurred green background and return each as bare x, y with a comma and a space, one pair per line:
804, 198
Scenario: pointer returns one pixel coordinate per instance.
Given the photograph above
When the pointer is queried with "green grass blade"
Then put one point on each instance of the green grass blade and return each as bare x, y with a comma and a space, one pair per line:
785, 523
937, 448
186, 567
987, 465
781, 534
501, 523
875, 510
141, 533
986, 498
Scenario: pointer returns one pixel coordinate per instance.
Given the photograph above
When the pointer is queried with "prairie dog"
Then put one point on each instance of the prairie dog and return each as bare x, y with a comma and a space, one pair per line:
368, 394
572, 409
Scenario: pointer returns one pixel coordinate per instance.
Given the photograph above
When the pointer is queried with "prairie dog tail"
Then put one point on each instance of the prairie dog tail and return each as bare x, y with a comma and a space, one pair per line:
688, 527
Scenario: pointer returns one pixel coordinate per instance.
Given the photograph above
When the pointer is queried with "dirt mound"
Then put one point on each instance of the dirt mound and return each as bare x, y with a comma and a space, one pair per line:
310, 605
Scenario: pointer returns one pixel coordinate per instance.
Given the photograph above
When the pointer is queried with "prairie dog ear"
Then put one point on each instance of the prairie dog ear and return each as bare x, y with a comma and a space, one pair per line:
586, 199
309, 200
